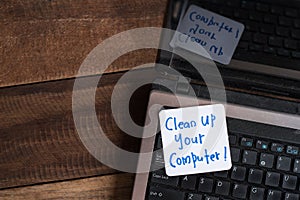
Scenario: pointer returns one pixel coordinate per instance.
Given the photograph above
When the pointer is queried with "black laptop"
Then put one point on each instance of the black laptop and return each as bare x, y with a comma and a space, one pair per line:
262, 109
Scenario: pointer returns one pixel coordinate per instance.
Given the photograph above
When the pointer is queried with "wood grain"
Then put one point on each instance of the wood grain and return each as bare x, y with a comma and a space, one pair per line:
38, 139
42, 44
42, 40
107, 187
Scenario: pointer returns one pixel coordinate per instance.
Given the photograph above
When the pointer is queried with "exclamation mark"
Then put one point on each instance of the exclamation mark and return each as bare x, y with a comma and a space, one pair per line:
237, 33
225, 153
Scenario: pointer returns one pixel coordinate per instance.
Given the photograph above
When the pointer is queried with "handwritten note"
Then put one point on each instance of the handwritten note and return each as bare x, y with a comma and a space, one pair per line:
208, 34
195, 140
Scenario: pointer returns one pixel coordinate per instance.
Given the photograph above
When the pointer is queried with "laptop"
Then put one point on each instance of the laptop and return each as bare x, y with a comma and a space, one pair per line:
262, 107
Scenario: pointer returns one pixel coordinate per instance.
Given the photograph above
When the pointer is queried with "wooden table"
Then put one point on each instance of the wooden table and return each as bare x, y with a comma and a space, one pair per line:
42, 44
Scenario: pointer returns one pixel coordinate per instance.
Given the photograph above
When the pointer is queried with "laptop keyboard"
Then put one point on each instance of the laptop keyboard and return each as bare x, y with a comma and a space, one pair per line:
272, 31
262, 169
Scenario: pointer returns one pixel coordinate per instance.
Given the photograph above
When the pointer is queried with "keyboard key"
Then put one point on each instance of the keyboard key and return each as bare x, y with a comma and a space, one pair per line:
238, 173
222, 188
247, 5
243, 45
275, 41
289, 182
297, 23
232, 139
272, 179
255, 16
273, 195
255, 176
296, 168
235, 154
295, 34
206, 185
296, 54
193, 196
271, 19
247, 142
239, 191
290, 44
292, 150
249, 157
216, 1
266, 160
226, 12
233, 3
159, 142
159, 176
241, 14
158, 159
283, 52
282, 31
291, 196
284, 21
252, 26
257, 193
211, 198
276, 10
260, 39
188, 182
283, 163
255, 47
268, 29
275, 147
262, 7
290, 12
247, 36
158, 193
222, 174
269, 50
262, 144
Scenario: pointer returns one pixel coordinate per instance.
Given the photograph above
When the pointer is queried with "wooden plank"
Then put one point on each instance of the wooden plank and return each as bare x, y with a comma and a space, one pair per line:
48, 40
104, 187
14, 10
38, 140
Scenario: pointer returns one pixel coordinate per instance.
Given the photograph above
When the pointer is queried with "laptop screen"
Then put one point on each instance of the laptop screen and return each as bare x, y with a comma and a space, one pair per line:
267, 54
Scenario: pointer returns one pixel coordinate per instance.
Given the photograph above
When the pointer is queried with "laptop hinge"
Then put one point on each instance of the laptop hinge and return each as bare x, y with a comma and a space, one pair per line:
183, 85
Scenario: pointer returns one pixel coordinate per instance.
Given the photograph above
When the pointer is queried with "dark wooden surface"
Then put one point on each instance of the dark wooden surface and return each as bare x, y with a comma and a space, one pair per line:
117, 186
44, 40
42, 44
39, 142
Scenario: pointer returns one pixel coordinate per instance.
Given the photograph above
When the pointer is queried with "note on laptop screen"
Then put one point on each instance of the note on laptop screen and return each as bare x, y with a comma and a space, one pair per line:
208, 34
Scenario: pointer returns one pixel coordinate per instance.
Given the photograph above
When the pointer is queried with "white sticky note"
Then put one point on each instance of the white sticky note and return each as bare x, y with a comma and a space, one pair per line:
195, 140
208, 34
